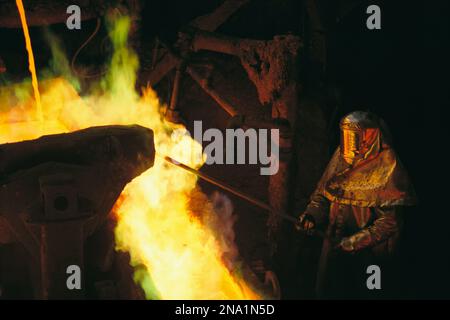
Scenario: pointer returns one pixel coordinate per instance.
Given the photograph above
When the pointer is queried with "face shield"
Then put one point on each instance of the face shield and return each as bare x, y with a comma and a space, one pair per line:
360, 137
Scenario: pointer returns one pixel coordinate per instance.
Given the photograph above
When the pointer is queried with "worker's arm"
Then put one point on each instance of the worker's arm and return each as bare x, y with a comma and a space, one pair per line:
385, 225
316, 212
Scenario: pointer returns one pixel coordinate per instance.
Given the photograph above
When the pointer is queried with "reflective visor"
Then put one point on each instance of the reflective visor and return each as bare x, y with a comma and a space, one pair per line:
350, 144
359, 143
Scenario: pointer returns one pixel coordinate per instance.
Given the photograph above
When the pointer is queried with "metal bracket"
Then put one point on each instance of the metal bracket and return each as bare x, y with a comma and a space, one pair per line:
59, 196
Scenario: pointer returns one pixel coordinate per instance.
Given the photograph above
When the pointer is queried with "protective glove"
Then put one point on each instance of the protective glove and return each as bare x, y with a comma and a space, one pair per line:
355, 242
346, 245
306, 223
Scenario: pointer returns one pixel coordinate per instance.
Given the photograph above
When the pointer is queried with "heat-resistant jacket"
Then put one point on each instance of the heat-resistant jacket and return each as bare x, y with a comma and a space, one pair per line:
362, 202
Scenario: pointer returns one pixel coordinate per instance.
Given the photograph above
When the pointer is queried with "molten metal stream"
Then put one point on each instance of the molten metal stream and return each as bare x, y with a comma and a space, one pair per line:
31, 65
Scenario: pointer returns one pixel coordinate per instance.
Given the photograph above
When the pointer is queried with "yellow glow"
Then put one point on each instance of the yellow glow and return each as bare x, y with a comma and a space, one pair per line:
175, 255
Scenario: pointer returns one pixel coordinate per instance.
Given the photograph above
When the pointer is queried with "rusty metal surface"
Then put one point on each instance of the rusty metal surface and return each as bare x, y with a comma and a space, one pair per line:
57, 190
84, 147
270, 65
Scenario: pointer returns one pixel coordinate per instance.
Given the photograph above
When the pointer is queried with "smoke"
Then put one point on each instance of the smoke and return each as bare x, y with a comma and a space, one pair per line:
59, 64
223, 225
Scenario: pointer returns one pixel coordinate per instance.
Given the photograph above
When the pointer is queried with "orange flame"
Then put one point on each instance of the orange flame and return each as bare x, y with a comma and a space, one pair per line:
175, 255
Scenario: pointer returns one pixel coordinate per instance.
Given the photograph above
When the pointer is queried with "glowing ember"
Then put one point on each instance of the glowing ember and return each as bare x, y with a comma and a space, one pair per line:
176, 256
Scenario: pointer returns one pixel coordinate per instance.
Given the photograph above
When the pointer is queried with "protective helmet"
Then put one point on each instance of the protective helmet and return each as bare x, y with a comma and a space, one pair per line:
360, 136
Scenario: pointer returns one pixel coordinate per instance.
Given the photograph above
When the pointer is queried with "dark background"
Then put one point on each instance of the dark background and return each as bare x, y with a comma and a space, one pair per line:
398, 73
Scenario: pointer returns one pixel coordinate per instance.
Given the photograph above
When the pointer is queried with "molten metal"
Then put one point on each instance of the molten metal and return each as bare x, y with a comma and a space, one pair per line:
31, 65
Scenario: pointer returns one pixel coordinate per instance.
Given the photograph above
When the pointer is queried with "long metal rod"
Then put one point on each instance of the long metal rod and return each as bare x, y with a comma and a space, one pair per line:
176, 87
228, 188
240, 194
221, 101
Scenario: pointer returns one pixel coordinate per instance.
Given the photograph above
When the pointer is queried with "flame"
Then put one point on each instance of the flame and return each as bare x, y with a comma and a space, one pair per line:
174, 252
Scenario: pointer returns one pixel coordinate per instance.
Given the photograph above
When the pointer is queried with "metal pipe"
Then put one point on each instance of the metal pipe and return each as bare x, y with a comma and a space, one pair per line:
176, 87
155, 54
203, 83
209, 22
210, 41
221, 101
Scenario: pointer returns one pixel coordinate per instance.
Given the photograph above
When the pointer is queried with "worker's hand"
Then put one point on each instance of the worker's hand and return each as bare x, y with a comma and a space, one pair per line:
356, 242
346, 245
305, 223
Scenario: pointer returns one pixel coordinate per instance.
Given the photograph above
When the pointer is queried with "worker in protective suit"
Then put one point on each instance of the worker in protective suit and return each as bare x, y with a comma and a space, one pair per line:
358, 202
